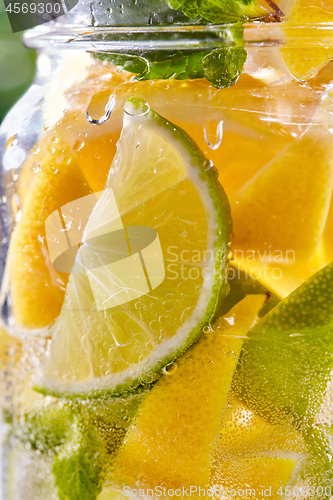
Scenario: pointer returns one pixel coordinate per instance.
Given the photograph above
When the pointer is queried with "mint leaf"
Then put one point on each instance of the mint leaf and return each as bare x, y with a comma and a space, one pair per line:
159, 64
221, 67
45, 428
218, 11
79, 468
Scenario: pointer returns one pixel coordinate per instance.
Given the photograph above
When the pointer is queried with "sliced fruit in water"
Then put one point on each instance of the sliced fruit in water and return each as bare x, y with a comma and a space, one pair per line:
180, 417
36, 289
116, 328
252, 454
245, 433
256, 477
308, 48
295, 335
282, 234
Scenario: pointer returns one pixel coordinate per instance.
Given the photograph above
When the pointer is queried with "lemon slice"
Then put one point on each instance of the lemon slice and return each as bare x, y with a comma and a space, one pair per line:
308, 38
123, 320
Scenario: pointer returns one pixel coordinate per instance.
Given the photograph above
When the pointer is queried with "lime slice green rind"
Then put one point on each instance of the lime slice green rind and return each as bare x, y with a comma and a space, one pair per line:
201, 174
286, 363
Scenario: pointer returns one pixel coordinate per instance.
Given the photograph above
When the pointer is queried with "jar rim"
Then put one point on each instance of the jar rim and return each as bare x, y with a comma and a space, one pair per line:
176, 37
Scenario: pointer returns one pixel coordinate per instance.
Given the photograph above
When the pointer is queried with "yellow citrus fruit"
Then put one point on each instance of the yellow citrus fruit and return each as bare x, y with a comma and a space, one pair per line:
280, 215
36, 289
180, 417
254, 455
308, 48
249, 141
244, 433
258, 477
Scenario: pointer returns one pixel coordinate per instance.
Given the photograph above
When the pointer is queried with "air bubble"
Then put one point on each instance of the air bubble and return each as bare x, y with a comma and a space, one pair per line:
208, 329
87, 344
168, 305
154, 325
170, 369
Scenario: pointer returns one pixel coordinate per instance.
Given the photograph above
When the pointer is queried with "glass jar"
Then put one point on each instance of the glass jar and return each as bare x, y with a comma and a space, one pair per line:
166, 303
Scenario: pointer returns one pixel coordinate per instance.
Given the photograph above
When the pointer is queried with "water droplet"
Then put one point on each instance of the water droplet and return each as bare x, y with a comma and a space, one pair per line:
233, 353
108, 111
36, 167
87, 345
170, 369
210, 167
10, 141
67, 160
230, 256
78, 145
213, 133
54, 138
35, 149
136, 107
51, 149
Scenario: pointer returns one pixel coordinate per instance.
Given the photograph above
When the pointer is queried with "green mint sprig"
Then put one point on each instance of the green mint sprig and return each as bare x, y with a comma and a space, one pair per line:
219, 11
80, 466
221, 67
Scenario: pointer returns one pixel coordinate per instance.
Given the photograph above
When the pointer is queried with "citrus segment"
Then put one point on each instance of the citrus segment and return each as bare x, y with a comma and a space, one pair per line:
258, 476
160, 201
36, 289
308, 48
281, 237
180, 417
245, 433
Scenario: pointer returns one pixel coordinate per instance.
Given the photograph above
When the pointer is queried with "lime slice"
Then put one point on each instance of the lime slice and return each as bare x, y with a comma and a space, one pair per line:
124, 320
